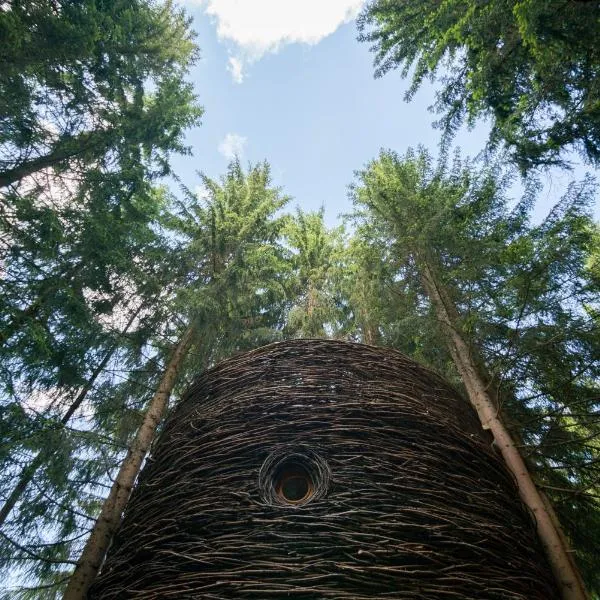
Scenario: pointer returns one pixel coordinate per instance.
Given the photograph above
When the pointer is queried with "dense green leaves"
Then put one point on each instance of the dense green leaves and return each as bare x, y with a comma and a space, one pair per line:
530, 66
521, 296
102, 268
93, 102
228, 245
315, 261
93, 86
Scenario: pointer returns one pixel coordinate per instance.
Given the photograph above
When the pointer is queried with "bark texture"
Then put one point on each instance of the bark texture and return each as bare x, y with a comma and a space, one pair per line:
110, 516
95, 141
553, 540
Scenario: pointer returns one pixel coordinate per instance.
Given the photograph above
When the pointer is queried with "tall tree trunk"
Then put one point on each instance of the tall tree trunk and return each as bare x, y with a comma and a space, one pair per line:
370, 331
30, 470
110, 516
565, 571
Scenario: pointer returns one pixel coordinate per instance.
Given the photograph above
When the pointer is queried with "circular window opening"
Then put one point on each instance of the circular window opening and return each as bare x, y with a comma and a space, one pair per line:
293, 477
293, 484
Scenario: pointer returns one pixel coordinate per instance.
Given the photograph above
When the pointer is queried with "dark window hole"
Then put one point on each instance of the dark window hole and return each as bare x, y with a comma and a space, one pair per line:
293, 484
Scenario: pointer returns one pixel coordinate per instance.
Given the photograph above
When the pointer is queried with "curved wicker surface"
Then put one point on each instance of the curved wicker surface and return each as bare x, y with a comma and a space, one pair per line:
410, 500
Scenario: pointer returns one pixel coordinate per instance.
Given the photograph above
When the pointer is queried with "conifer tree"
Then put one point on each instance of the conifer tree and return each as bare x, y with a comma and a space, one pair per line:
531, 67
451, 235
74, 89
315, 260
226, 247
93, 101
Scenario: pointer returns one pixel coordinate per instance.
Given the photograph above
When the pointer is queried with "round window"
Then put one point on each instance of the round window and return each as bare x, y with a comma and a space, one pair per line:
293, 477
293, 484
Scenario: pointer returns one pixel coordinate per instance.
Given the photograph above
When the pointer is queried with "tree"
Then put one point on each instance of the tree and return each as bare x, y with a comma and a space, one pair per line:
110, 516
29, 472
75, 269
228, 245
68, 272
530, 67
451, 235
315, 310
93, 101
550, 347
225, 247
75, 89
382, 308
57, 447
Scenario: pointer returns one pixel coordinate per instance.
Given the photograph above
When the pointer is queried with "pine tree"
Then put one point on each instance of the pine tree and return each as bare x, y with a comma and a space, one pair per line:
451, 235
227, 250
73, 89
30, 470
57, 448
315, 310
112, 508
76, 269
529, 66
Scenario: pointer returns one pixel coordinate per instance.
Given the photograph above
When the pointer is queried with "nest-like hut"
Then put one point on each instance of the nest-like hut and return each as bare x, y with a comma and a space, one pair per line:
316, 469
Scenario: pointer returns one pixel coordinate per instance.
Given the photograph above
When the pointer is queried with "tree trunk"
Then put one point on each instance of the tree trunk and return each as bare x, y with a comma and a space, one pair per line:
554, 542
370, 332
30, 470
62, 151
32, 166
110, 516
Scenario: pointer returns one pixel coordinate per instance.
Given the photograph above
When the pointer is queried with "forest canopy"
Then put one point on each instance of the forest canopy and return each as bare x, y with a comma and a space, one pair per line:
529, 66
119, 284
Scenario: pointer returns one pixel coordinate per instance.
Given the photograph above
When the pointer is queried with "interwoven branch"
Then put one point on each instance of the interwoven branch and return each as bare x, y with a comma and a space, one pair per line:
410, 502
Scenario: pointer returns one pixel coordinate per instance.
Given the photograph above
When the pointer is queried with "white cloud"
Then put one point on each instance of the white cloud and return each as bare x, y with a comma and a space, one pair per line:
236, 68
232, 145
260, 26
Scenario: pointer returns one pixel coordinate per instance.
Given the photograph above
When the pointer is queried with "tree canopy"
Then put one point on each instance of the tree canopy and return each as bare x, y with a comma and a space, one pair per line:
520, 296
116, 290
531, 67
93, 86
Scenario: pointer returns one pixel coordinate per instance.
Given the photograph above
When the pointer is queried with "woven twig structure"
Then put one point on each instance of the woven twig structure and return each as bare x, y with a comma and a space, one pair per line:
317, 469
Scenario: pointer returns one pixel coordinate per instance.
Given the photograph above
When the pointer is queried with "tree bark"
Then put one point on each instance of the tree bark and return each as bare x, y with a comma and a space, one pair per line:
30, 470
32, 166
110, 516
553, 540
370, 332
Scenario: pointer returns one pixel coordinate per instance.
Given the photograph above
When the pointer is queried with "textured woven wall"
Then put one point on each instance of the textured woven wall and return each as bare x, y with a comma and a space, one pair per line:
320, 469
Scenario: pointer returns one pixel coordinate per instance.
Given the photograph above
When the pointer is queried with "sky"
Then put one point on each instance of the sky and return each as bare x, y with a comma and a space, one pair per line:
287, 81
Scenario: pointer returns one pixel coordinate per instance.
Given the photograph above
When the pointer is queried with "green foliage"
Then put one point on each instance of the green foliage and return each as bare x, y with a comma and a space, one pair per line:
227, 246
93, 86
60, 445
101, 269
216, 261
522, 298
315, 255
384, 301
68, 290
530, 66
93, 102
67, 266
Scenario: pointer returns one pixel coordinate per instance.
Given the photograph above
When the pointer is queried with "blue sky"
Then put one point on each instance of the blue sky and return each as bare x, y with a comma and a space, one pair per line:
286, 81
